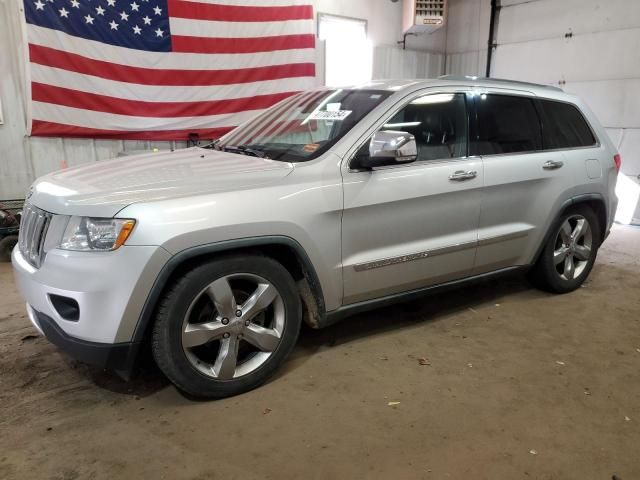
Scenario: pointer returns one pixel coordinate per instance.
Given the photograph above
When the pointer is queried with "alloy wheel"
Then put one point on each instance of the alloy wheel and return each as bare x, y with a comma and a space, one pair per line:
573, 247
233, 326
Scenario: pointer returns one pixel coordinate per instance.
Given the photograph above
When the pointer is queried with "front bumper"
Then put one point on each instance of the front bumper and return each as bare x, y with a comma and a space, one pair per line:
117, 356
108, 288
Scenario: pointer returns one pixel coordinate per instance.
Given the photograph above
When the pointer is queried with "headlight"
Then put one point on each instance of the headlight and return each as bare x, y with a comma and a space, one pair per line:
99, 234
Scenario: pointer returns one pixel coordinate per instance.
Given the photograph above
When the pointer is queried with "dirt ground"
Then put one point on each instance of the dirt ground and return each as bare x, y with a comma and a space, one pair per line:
516, 384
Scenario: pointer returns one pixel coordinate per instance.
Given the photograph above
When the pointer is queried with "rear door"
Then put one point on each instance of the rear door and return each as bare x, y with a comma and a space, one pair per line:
524, 185
412, 225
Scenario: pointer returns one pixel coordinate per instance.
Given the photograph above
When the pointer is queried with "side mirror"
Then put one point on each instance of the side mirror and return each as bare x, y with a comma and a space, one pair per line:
389, 147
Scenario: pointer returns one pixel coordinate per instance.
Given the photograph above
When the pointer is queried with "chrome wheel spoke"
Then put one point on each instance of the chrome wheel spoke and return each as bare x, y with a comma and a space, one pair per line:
569, 267
565, 232
265, 339
559, 255
580, 229
201, 333
264, 296
222, 297
582, 252
225, 366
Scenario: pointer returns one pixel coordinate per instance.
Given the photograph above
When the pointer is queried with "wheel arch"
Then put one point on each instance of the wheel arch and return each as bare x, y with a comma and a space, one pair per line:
285, 250
595, 201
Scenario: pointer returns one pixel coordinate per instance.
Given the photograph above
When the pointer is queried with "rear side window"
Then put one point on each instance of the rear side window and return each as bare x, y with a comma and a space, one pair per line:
564, 126
505, 124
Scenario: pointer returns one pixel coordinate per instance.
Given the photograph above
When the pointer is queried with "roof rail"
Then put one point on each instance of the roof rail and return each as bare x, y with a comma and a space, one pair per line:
471, 78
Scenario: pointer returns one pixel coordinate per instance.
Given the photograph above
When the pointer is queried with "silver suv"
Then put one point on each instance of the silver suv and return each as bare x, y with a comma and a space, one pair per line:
334, 201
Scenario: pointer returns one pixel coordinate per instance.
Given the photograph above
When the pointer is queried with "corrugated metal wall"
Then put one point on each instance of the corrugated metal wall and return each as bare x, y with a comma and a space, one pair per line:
393, 62
467, 37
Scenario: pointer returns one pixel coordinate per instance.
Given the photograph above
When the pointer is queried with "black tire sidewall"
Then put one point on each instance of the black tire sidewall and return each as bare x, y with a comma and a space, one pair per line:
167, 333
6, 246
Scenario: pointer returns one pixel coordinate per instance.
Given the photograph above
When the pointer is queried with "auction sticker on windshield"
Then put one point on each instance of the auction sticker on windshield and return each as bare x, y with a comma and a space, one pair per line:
330, 115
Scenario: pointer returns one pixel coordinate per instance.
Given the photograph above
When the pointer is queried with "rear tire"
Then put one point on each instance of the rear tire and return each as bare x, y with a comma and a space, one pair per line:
226, 326
570, 251
6, 246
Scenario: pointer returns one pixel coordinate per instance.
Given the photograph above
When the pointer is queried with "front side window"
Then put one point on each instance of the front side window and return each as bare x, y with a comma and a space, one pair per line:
303, 126
438, 122
564, 126
505, 124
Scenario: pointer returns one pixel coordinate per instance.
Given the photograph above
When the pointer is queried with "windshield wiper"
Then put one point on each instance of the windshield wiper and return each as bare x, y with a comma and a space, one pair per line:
245, 150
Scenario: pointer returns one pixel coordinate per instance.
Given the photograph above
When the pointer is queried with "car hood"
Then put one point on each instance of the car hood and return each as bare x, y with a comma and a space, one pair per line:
106, 187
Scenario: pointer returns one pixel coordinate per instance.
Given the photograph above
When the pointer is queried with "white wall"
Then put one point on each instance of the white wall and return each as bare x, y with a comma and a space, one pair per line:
14, 170
463, 39
588, 47
22, 158
467, 34
393, 62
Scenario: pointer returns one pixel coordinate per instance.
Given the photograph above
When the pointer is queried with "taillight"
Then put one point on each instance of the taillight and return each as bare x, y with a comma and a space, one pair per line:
617, 159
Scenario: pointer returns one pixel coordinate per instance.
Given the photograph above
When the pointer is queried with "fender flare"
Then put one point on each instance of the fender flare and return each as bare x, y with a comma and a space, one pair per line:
179, 258
566, 204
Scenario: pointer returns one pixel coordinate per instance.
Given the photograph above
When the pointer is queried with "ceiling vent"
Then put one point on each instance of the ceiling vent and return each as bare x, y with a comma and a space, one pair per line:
423, 16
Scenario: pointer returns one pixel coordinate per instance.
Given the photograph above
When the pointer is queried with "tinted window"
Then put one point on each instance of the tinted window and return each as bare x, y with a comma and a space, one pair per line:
505, 124
564, 126
438, 122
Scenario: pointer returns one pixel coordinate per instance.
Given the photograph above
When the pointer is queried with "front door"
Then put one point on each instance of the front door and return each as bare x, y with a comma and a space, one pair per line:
409, 226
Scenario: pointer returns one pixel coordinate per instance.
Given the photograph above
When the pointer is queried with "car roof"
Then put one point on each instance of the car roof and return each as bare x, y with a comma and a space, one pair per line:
396, 85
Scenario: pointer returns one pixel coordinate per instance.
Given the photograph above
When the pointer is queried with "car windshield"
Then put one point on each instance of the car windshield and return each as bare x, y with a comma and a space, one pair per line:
303, 126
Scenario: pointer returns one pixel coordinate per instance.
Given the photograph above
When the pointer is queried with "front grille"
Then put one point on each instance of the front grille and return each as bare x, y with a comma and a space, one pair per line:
33, 230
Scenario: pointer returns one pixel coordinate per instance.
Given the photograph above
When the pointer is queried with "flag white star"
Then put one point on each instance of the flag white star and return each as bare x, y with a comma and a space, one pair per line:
157, 10
124, 16
75, 3
64, 13
137, 30
39, 5
111, 3
99, 10
113, 25
134, 7
146, 20
159, 32
89, 19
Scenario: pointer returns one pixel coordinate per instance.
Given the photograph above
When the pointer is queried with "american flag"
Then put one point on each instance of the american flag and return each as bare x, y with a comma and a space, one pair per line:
163, 69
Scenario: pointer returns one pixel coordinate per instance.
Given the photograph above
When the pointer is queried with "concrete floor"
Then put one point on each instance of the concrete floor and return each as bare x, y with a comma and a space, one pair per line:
519, 384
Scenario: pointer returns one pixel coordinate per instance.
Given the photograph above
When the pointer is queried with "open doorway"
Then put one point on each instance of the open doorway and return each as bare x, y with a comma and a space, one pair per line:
348, 52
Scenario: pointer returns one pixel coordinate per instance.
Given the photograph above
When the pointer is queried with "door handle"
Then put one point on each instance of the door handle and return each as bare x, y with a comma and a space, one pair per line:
461, 175
552, 165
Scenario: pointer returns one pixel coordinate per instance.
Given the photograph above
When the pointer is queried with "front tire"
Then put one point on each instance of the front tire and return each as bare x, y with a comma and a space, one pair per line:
570, 251
6, 247
226, 326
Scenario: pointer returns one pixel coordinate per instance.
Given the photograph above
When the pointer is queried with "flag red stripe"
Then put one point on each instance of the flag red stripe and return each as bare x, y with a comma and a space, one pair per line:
167, 77
51, 129
184, 44
237, 13
42, 92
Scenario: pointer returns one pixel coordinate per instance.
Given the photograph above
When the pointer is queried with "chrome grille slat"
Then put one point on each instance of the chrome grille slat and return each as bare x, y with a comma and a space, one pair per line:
33, 228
